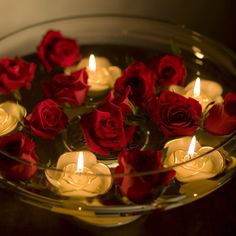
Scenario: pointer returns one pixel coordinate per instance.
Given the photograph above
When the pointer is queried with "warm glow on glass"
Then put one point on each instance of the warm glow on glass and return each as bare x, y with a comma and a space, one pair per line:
191, 148
80, 162
196, 90
197, 52
199, 55
92, 63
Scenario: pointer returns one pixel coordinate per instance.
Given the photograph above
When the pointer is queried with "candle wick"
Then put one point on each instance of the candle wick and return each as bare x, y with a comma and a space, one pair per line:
190, 156
79, 171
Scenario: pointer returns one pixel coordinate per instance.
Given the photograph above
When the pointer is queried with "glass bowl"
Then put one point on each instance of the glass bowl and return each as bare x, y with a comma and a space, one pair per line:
120, 39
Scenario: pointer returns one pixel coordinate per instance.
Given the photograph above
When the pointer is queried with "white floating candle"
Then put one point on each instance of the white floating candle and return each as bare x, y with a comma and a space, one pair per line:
201, 93
10, 114
78, 174
191, 169
101, 74
205, 91
195, 93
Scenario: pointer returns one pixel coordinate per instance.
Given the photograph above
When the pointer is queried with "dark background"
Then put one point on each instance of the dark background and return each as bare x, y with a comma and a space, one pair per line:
213, 215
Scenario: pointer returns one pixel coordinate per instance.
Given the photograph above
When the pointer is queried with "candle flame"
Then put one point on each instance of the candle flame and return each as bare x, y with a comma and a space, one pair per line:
80, 162
92, 63
191, 148
196, 90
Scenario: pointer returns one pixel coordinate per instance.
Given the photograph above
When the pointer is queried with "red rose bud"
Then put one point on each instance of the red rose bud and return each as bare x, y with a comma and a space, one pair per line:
138, 77
104, 128
221, 119
175, 114
168, 70
56, 50
46, 120
122, 101
140, 187
70, 89
15, 74
20, 146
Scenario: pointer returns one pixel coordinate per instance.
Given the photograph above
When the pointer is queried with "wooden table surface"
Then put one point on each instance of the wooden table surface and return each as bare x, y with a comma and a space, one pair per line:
213, 215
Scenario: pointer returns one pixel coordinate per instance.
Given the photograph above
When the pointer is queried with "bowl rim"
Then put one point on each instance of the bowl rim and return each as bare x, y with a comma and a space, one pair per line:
133, 17
138, 17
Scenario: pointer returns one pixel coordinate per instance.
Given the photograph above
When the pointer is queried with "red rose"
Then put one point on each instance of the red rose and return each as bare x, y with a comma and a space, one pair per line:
168, 70
175, 114
46, 120
140, 187
104, 129
15, 74
138, 77
70, 89
20, 146
57, 50
221, 119
122, 101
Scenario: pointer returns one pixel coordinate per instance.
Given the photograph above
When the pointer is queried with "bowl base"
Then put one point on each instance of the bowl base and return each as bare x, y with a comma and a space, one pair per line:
107, 221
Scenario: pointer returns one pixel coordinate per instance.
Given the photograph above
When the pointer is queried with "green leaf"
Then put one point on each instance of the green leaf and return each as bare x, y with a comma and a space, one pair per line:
135, 118
66, 105
129, 60
174, 48
21, 127
133, 108
205, 114
49, 163
21, 114
164, 154
17, 95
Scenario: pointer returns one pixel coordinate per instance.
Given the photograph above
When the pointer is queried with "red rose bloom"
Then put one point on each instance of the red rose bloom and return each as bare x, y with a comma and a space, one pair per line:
104, 129
139, 187
168, 70
15, 74
221, 119
138, 77
57, 50
175, 114
20, 146
46, 120
122, 101
70, 89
